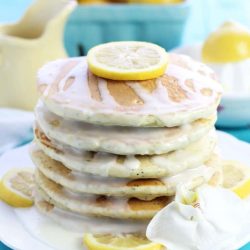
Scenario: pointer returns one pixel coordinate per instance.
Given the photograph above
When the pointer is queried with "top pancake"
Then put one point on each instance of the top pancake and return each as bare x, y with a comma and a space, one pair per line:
186, 92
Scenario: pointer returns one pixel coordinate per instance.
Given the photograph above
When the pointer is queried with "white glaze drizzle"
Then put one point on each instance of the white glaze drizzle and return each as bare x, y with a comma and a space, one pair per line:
189, 175
122, 134
156, 102
107, 98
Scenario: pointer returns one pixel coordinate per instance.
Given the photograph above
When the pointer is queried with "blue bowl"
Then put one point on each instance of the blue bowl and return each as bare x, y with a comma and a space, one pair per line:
89, 25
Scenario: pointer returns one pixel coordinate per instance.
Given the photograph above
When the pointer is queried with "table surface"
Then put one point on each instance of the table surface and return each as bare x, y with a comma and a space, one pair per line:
11, 11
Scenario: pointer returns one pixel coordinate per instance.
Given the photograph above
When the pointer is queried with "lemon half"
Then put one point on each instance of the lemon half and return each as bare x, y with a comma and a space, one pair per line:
16, 187
236, 178
127, 60
230, 43
119, 242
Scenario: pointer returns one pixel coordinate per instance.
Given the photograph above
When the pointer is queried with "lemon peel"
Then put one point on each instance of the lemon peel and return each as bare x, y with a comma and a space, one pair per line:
127, 61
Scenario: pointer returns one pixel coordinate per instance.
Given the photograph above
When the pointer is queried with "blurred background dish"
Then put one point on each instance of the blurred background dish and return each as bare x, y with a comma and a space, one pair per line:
89, 25
25, 46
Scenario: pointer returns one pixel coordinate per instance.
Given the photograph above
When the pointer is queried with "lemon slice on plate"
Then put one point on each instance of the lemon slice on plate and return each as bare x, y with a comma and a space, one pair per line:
119, 242
230, 43
236, 178
16, 187
127, 60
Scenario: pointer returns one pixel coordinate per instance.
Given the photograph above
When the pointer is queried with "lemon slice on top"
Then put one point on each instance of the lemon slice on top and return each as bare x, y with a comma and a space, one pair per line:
119, 242
127, 60
236, 178
16, 187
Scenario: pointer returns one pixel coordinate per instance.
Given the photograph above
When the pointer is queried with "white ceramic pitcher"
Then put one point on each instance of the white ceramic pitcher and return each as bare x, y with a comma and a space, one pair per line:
26, 45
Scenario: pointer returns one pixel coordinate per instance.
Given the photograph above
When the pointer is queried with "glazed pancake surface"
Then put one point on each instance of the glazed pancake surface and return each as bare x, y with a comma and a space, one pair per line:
95, 205
144, 189
99, 205
120, 140
186, 92
77, 222
134, 166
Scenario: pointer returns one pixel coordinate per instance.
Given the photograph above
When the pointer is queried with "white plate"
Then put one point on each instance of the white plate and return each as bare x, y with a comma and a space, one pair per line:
26, 229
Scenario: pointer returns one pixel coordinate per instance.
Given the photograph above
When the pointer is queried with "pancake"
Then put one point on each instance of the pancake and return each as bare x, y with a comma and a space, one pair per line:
94, 205
104, 164
144, 189
185, 93
120, 140
80, 223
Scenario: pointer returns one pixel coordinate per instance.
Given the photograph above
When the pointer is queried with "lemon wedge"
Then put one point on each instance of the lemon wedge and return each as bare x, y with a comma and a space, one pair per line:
236, 178
16, 187
119, 242
127, 61
230, 43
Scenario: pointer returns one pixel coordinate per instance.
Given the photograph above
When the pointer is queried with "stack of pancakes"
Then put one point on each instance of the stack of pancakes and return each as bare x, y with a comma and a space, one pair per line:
120, 149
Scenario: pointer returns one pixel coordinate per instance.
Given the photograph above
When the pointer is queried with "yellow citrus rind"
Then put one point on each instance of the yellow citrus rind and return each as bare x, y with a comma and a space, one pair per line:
119, 242
12, 196
127, 61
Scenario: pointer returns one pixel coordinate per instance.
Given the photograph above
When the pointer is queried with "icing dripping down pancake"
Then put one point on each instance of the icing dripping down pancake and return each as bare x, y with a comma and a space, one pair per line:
186, 92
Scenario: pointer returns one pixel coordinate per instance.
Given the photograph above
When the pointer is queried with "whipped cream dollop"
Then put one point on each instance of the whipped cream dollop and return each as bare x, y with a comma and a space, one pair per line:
215, 219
